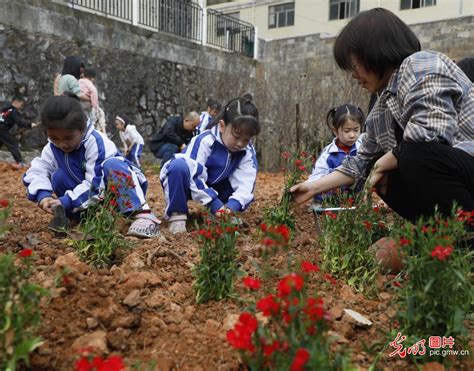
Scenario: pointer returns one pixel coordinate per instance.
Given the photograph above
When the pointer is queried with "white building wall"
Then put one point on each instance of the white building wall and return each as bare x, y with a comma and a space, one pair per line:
312, 16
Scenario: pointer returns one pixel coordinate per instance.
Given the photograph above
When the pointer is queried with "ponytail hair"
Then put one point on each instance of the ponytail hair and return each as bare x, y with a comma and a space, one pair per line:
337, 116
242, 114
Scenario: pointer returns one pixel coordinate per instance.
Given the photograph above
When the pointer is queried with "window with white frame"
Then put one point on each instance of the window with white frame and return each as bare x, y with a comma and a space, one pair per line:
341, 9
415, 4
282, 15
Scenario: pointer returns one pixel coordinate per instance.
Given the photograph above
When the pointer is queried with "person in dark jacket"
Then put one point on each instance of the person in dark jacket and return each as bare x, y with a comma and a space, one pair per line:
174, 136
9, 117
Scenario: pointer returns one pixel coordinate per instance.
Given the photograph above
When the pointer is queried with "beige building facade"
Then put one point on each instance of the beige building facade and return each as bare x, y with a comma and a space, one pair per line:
275, 19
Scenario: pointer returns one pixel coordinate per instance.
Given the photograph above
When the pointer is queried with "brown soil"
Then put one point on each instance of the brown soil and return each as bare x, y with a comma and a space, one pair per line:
143, 307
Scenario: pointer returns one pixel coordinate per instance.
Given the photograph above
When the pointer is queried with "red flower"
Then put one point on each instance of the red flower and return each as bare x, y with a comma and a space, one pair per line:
290, 283
113, 203
240, 337
284, 231
308, 267
298, 162
304, 154
285, 154
315, 309
113, 363
301, 358
4, 203
25, 253
404, 241
330, 214
330, 279
251, 283
375, 209
268, 306
268, 241
263, 227
350, 201
441, 253
302, 168
268, 350
83, 365
367, 225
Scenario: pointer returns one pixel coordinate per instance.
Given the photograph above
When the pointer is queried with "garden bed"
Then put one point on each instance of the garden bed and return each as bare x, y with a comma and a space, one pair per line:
143, 308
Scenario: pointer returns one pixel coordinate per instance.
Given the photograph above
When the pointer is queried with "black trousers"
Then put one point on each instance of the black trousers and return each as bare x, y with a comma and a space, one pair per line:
10, 142
430, 174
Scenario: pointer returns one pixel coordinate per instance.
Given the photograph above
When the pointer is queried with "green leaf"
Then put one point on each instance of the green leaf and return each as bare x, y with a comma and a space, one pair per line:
429, 284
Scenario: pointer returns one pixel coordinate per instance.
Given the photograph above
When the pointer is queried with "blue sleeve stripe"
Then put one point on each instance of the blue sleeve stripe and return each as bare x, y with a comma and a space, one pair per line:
197, 144
99, 160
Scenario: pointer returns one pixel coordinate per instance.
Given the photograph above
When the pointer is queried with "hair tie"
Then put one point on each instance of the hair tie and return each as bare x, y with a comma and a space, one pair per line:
120, 119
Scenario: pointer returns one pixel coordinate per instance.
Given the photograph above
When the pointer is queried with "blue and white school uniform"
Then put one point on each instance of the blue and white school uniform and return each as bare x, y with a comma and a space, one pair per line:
133, 143
330, 158
209, 173
78, 178
204, 120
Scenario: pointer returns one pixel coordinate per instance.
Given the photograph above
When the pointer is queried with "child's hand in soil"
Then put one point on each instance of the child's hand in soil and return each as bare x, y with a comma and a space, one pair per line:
48, 204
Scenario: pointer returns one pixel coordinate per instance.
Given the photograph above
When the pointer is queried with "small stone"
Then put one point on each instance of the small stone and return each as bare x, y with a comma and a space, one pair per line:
336, 313
211, 327
126, 321
132, 299
72, 263
118, 339
357, 318
96, 340
347, 294
92, 323
229, 322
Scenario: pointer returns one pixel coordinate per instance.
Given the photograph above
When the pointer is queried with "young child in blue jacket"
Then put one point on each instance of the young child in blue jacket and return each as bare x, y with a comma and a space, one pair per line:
76, 165
346, 124
218, 167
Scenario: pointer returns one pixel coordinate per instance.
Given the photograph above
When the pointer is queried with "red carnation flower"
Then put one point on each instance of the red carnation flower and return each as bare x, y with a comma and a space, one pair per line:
251, 283
25, 253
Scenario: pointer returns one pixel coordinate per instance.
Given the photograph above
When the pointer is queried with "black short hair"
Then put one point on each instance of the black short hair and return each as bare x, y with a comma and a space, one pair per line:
337, 116
378, 39
467, 66
72, 66
18, 98
63, 112
90, 73
214, 104
242, 115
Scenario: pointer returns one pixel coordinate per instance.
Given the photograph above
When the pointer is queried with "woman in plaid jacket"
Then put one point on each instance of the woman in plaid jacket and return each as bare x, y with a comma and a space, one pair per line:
420, 132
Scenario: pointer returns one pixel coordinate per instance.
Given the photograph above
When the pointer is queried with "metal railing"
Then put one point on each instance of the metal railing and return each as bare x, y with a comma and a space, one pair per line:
122, 9
172, 16
230, 33
181, 18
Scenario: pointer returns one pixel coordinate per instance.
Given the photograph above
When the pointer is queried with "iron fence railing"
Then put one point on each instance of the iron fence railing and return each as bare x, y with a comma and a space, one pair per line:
172, 16
181, 18
230, 33
122, 9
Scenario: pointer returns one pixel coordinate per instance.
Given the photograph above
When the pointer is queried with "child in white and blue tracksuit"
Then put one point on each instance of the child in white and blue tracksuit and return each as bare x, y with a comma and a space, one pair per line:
346, 123
206, 117
131, 139
218, 168
77, 164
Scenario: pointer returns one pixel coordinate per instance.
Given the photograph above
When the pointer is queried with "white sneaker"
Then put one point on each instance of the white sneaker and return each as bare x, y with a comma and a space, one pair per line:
178, 223
145, 226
